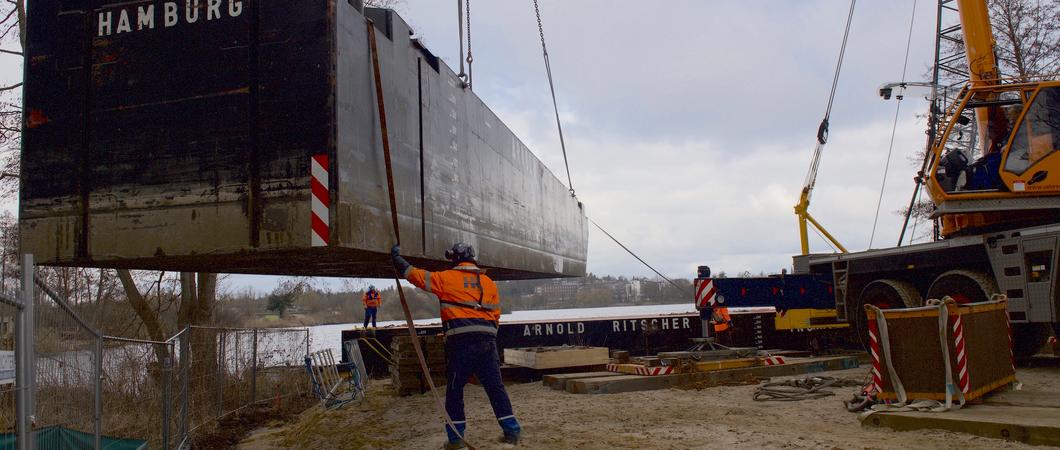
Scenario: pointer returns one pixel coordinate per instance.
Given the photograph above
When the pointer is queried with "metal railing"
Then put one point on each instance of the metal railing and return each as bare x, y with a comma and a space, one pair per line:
58, 373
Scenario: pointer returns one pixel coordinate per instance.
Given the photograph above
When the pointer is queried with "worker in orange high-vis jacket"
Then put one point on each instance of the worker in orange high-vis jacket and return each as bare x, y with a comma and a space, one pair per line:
471, 313
722, 320
371, 300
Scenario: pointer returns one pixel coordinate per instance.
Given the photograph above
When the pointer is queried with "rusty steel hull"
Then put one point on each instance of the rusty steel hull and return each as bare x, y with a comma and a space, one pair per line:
155, 141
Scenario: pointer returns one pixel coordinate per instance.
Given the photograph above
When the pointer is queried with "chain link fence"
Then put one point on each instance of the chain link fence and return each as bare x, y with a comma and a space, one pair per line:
64, 384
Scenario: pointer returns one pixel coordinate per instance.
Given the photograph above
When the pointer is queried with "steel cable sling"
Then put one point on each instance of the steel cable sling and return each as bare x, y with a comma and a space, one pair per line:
381, 108
552, 89
801, 389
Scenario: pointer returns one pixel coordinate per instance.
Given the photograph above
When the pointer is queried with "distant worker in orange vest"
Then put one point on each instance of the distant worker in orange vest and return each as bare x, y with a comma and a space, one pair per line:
721, 319
371, 300
471, 314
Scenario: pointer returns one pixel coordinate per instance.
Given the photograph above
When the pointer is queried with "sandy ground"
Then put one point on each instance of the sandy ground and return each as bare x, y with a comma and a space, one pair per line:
709, 418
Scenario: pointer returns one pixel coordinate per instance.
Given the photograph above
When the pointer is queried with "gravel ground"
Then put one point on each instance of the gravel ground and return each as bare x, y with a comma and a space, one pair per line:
708, 418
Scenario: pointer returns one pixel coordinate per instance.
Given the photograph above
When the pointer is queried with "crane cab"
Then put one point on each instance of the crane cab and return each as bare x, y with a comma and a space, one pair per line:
997, 164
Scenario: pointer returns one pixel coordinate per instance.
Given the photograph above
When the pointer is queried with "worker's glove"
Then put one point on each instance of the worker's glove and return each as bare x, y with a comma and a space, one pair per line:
400, 264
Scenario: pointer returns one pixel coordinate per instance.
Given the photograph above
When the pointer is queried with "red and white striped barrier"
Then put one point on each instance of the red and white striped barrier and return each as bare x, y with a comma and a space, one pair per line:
773, 361
874, 351
706, 293
321, 200
1011, 352
962, 355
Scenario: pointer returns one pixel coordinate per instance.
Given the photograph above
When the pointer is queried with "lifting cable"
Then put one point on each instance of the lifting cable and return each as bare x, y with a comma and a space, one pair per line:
894, 126
912, 234
563, 146
826, 241
463, 9
822, 129
381, 108
552, 89
635, 255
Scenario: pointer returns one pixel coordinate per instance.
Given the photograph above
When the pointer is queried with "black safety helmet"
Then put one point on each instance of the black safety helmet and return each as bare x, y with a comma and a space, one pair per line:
460, 252
371, 287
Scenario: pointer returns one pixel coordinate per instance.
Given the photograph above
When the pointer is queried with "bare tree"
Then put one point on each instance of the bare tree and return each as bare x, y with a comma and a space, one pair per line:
12, 47
388, 4
1028, 36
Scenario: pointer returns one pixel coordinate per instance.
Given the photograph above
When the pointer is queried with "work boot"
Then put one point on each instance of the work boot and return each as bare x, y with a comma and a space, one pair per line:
510, 438
454, 445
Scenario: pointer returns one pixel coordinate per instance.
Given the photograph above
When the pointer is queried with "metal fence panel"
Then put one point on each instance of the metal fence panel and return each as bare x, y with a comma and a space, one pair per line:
8, 386
66, 364
99, 388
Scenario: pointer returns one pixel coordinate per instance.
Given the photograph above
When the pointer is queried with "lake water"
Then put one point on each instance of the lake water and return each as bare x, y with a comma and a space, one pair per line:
330, 336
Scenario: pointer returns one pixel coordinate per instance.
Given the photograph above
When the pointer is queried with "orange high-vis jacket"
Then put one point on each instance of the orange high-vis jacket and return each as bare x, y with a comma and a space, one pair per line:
721, 319
468, 298
372, 299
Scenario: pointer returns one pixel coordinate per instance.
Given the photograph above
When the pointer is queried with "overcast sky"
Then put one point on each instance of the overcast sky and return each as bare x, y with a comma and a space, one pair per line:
690, 127
690, 124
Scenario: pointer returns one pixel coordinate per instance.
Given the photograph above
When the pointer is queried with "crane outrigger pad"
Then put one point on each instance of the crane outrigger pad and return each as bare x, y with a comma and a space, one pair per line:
243, 137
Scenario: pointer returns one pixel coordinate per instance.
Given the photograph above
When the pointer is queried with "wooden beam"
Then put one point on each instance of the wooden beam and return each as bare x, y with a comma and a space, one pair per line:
1031, 425
632, 383
559, 380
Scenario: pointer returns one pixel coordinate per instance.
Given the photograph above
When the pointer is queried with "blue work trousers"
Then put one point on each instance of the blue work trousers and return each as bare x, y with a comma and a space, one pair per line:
369, 313
475, 354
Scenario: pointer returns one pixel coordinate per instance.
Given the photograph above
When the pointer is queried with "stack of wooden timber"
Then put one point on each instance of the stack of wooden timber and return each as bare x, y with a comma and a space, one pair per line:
596, 382
689, 362
540, 358
406, 374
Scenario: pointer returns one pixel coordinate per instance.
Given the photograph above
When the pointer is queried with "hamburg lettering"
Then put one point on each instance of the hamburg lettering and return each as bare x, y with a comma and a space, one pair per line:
129, 19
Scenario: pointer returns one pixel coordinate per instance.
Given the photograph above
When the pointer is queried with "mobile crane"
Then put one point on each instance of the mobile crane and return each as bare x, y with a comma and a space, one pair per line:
994, 178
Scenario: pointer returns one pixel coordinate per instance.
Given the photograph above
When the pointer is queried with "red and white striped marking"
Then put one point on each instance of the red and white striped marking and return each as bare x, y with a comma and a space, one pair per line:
642, 370
706, 293
773, 361
1011, 353
652, 371
874, 351
321, 200
962, 355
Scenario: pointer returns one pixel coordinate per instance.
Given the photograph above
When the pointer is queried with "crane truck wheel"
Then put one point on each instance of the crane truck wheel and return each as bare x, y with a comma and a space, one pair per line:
968, 286
884, 294
963, 286
1029, 338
